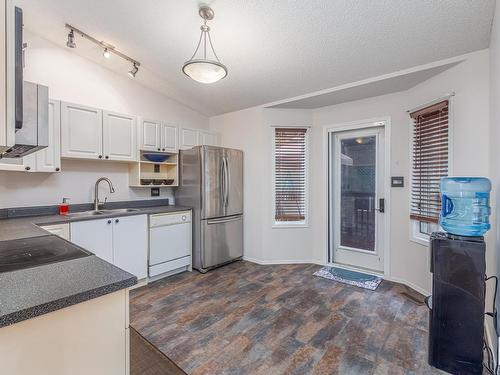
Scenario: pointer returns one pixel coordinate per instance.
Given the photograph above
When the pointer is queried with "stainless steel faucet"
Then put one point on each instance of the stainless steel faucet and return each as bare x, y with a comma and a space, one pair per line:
96, 192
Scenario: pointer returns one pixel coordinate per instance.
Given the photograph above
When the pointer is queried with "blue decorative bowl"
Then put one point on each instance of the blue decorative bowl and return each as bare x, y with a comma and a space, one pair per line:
156, 158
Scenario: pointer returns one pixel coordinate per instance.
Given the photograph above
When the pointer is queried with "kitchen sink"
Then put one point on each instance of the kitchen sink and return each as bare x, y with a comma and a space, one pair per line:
102, 212
119, 211
86, 213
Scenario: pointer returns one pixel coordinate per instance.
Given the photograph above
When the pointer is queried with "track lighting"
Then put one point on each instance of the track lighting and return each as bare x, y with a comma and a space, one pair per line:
134, 71
108, 49
71, 39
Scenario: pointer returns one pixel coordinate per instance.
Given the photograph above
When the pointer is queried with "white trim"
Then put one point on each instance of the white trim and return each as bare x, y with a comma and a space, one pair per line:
409, 285
319, 263
290, 224
432, 102
282, 261
385, 122
418, 68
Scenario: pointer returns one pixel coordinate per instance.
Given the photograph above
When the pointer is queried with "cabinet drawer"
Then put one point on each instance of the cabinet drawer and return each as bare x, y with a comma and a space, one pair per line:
158, 220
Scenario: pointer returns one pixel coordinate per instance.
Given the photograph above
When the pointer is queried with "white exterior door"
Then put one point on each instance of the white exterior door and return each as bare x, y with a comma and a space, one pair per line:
119, 136
150, 135
188, 138
49, 159
130, 244
81, 131
169, 138
95, 236
357, 198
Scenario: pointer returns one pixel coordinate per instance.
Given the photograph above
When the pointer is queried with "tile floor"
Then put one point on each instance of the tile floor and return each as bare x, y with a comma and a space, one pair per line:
251, 319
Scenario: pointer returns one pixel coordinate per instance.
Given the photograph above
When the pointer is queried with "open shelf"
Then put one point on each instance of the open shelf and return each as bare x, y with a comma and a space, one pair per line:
148, 170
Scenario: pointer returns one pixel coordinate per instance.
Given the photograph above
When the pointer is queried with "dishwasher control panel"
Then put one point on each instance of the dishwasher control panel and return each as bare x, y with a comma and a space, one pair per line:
173, 218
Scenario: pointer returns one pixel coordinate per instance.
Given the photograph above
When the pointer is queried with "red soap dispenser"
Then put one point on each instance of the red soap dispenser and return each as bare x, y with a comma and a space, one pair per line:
64, 207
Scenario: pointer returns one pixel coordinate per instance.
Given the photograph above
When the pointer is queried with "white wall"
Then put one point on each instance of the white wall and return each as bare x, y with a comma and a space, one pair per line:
76, 79
251, 131
492, 264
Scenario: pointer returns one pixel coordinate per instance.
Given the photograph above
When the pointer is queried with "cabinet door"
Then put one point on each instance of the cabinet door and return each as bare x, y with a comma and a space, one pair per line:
28, 164
150, 135
81, 131
95, 236
130, 244
119, 136
209, 138
169, 138
188, 138
49, 159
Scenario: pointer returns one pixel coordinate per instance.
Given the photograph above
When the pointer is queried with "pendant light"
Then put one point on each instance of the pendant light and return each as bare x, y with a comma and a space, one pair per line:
203, 69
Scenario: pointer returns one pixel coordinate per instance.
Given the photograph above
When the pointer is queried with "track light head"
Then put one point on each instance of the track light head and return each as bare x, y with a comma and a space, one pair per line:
71, 39
133, 71
106, 53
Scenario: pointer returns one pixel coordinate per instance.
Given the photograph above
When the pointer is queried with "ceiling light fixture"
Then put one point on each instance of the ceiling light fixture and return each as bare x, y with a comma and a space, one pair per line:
108, 48
71, 39
134, 71
203, 69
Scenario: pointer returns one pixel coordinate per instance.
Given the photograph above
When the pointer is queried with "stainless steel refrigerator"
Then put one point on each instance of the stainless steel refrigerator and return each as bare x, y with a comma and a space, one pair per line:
211, 181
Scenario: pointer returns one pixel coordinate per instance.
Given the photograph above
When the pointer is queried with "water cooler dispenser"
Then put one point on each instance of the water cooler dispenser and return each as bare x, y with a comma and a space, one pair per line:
458, 266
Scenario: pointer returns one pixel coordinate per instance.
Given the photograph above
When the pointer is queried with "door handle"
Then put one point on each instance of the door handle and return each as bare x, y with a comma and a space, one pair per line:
226, 182
222, 221
381, 205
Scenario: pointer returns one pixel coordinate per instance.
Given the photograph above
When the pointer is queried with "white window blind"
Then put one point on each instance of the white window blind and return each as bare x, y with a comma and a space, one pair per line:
430, 160
290, 174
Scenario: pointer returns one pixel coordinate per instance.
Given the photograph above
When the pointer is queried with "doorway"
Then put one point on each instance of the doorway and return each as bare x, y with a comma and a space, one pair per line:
357, 212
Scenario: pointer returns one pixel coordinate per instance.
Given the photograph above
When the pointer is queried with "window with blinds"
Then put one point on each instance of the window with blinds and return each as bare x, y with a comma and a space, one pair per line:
290, 174
430, 160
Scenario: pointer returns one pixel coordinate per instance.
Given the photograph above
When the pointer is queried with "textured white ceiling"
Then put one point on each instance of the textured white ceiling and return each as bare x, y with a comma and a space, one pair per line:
274, 49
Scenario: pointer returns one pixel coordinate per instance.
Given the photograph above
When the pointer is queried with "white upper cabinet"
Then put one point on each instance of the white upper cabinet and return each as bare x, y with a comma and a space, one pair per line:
150, 135
188, 138
49, 159
209, 138
119, 136
81, 131
169, 138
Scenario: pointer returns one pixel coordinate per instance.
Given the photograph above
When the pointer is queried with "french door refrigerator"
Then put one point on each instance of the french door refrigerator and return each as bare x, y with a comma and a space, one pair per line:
211, 182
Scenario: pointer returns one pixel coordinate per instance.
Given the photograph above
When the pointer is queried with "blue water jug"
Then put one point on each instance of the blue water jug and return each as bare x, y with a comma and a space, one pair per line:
465, 206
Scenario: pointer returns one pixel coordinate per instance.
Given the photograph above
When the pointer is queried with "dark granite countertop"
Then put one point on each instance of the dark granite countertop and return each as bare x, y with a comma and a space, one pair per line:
35, 291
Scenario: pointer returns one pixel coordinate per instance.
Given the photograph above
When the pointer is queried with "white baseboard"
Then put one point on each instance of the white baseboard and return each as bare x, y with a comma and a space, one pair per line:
315, 261
282, 261
408, 284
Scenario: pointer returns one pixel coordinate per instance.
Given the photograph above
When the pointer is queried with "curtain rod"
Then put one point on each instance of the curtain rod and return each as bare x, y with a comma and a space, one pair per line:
447, 96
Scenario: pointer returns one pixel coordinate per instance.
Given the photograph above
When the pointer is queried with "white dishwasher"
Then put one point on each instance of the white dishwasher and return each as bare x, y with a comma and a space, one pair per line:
170, 243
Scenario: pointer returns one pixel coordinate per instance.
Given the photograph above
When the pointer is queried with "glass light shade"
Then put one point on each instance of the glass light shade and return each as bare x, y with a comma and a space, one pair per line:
205, 71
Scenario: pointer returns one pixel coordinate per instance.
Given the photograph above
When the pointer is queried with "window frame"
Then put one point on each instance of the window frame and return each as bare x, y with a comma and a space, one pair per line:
290, 224
415, 234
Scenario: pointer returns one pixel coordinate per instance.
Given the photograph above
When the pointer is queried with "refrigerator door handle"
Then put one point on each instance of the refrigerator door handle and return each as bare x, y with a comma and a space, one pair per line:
223, 182
222, 221
226, 182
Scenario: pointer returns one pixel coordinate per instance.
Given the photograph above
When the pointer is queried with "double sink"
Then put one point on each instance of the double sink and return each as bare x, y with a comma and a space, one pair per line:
102, 212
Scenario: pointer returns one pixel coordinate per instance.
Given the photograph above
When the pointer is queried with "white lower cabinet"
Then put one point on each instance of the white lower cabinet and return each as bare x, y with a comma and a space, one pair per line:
122, 241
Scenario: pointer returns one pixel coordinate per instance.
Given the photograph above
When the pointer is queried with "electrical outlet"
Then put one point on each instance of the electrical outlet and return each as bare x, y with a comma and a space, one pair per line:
155, 192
